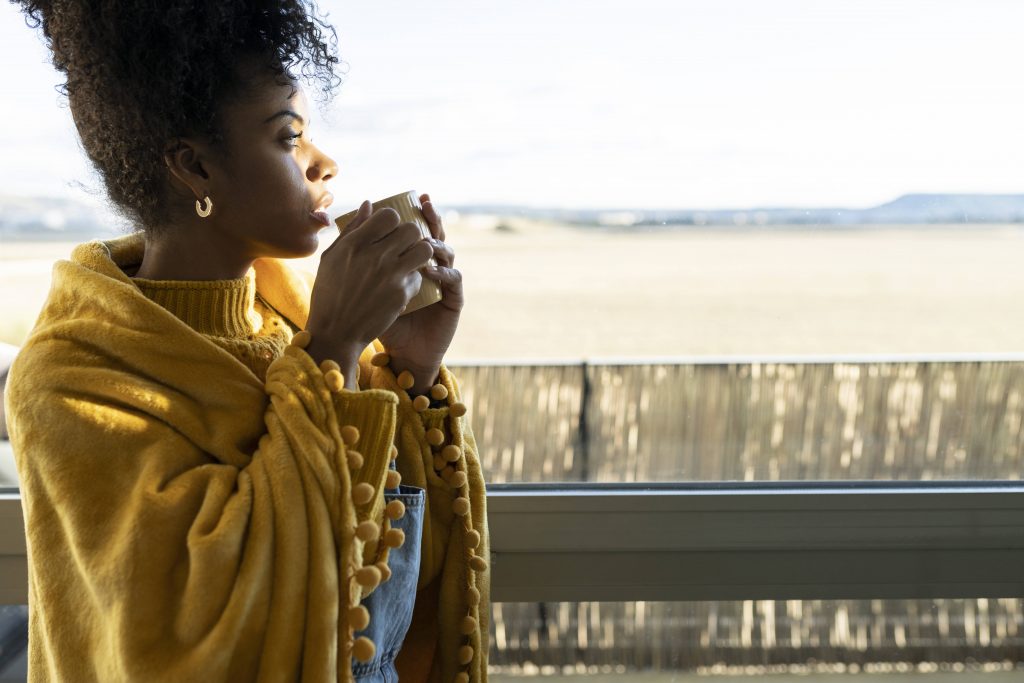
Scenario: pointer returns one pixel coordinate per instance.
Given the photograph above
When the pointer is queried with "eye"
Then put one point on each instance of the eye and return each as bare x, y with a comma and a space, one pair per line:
291, 139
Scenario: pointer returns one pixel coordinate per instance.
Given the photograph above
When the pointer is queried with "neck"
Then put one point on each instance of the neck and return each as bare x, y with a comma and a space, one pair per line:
186, 253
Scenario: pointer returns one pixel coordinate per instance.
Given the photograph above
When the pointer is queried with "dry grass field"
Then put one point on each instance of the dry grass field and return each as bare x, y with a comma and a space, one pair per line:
570, 293
541, 291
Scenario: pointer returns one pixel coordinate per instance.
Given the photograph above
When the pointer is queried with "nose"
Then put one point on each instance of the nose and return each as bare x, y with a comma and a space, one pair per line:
322, 167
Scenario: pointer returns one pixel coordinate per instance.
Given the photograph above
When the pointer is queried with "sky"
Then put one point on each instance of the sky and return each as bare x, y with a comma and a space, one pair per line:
626, 103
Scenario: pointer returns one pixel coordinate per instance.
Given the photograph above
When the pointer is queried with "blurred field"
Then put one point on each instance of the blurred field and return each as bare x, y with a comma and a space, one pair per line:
537, 291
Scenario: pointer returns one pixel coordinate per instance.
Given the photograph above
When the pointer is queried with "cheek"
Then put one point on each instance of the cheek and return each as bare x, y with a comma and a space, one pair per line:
269, 185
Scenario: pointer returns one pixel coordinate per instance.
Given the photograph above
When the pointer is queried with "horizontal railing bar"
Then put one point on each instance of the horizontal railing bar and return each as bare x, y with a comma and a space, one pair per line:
755, 541
629, 544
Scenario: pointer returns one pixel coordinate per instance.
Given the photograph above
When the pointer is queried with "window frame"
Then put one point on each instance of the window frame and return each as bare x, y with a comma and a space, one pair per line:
723, 541
756, 541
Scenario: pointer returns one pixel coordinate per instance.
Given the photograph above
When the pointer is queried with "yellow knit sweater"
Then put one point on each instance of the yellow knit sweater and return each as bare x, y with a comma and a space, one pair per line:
192, 483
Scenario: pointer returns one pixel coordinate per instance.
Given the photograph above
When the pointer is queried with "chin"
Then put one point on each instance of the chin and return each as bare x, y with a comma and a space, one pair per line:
299, 246
311, 245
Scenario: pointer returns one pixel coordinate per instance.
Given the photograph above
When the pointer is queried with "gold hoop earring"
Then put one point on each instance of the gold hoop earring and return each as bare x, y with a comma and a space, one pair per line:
205, 210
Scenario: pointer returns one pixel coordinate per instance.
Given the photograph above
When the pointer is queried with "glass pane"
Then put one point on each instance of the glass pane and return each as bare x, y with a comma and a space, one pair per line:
789, 638
8, 471
660, 184
13, 643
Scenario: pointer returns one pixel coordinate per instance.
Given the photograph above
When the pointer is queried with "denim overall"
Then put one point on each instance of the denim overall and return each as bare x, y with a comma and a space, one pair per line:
391, 603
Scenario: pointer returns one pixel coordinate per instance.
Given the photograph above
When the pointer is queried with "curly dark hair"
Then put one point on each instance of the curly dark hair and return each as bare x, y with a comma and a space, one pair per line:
140, 74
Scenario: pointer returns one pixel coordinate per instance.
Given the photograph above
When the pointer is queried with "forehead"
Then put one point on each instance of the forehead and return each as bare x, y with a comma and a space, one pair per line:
265, 93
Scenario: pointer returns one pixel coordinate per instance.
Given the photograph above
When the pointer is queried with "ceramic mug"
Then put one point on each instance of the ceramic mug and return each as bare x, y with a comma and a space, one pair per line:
408, 207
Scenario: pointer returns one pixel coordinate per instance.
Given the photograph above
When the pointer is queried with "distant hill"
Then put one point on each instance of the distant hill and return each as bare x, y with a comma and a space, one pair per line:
910, 209
57, 219
951, 208
43, 218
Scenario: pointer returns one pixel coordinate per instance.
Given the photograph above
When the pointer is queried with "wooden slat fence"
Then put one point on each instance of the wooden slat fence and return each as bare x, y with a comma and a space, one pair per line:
745, 422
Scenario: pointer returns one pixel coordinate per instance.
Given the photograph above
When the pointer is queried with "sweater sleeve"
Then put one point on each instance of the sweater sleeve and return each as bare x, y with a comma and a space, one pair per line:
449, 635
152, 559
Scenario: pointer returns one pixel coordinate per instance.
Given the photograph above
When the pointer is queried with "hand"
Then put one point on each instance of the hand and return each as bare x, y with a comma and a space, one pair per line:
365, 279
418, 341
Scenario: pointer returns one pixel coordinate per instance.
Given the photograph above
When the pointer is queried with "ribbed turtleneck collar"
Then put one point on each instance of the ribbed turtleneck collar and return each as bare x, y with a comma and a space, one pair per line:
222, 308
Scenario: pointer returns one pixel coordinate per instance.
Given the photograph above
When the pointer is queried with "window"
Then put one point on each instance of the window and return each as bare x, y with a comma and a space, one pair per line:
742, 347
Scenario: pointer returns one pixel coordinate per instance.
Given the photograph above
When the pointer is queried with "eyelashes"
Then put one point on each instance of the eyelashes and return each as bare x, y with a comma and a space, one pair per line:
291, 139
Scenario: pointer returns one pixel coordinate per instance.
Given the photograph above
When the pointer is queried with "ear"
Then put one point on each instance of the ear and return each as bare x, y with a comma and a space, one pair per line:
185, 160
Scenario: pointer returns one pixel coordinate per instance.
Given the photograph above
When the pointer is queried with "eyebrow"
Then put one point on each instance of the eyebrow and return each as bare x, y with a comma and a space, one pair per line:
285, 112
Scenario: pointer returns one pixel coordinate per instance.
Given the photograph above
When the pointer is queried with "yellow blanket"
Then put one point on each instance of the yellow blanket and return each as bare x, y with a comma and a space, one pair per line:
187, 523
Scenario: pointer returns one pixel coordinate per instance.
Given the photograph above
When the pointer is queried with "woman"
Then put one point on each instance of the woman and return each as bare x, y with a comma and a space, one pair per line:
230, 472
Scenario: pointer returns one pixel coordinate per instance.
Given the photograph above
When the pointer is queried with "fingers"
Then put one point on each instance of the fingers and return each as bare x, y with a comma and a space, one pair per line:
400, 239
416, 256
361, 215
433, 218
449, 278
443, 253
412, 281
364, 211
384, 230
366, 229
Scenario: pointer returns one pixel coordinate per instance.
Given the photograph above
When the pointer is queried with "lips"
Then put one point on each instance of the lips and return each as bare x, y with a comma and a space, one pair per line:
319, 214
326, 200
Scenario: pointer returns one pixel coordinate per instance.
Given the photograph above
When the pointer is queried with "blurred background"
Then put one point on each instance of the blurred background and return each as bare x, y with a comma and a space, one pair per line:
727, 240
